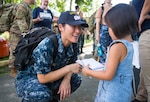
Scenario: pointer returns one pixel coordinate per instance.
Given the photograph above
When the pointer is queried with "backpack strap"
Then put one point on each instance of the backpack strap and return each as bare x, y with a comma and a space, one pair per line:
54, 40
102, 8
133, 83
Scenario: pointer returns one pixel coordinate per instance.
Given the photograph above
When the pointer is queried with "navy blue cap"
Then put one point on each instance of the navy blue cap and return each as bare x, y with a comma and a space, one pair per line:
71, 18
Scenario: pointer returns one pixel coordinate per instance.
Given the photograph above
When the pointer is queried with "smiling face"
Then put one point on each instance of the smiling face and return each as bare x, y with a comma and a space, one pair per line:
70, 34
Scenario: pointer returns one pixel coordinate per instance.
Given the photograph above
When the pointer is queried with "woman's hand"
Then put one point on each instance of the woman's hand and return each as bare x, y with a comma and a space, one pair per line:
75, 68
64, 89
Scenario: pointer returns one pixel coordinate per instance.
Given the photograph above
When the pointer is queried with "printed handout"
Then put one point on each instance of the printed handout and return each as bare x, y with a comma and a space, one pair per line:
93, 64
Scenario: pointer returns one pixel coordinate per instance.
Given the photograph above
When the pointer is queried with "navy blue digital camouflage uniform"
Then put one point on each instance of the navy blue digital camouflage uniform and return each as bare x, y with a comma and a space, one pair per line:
27, 84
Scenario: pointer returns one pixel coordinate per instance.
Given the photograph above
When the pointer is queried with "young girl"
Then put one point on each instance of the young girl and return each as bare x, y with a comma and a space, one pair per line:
116, 78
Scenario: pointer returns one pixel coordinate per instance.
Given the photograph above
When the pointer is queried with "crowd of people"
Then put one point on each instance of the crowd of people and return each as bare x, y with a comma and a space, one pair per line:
53, 80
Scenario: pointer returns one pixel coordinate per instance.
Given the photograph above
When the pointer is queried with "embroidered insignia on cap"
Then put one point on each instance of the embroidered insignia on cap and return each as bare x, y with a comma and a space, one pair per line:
77, 17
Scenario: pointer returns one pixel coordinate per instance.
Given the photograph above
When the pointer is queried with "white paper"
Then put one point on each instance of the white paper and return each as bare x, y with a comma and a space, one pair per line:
45, 15
93, 64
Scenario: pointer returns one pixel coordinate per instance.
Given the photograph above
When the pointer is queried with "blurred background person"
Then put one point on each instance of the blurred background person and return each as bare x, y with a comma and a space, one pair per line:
82, 36
143, 9
42, 15
20, 26
102, 34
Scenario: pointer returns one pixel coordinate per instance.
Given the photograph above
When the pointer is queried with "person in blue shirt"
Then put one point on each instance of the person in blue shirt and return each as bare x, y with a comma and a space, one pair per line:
116, 78
48, 79
42, 16
143, 10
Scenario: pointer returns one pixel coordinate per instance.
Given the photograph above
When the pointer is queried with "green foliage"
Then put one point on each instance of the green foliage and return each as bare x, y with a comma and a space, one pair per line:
5, 35
60, 4
12, 1
83, 2
90, 40
8, 1
17, 1
85, 5
36, 4
4, 58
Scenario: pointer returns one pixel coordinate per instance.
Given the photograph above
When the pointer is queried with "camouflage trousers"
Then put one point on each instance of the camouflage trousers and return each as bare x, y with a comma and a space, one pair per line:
13, 41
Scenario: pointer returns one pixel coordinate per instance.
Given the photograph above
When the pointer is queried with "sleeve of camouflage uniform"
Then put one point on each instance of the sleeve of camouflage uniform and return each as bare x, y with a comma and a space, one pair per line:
22, 15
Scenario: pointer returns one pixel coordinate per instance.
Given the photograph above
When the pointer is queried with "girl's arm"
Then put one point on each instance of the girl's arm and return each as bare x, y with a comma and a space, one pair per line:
114, 58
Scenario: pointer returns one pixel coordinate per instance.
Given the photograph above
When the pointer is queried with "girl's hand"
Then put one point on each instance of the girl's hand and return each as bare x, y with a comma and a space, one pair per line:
86, 70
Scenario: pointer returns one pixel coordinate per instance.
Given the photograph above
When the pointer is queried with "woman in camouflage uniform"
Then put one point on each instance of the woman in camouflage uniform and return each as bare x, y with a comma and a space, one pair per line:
48, 79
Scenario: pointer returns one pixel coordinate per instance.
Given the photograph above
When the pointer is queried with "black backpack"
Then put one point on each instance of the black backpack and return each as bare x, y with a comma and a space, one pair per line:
27, 44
